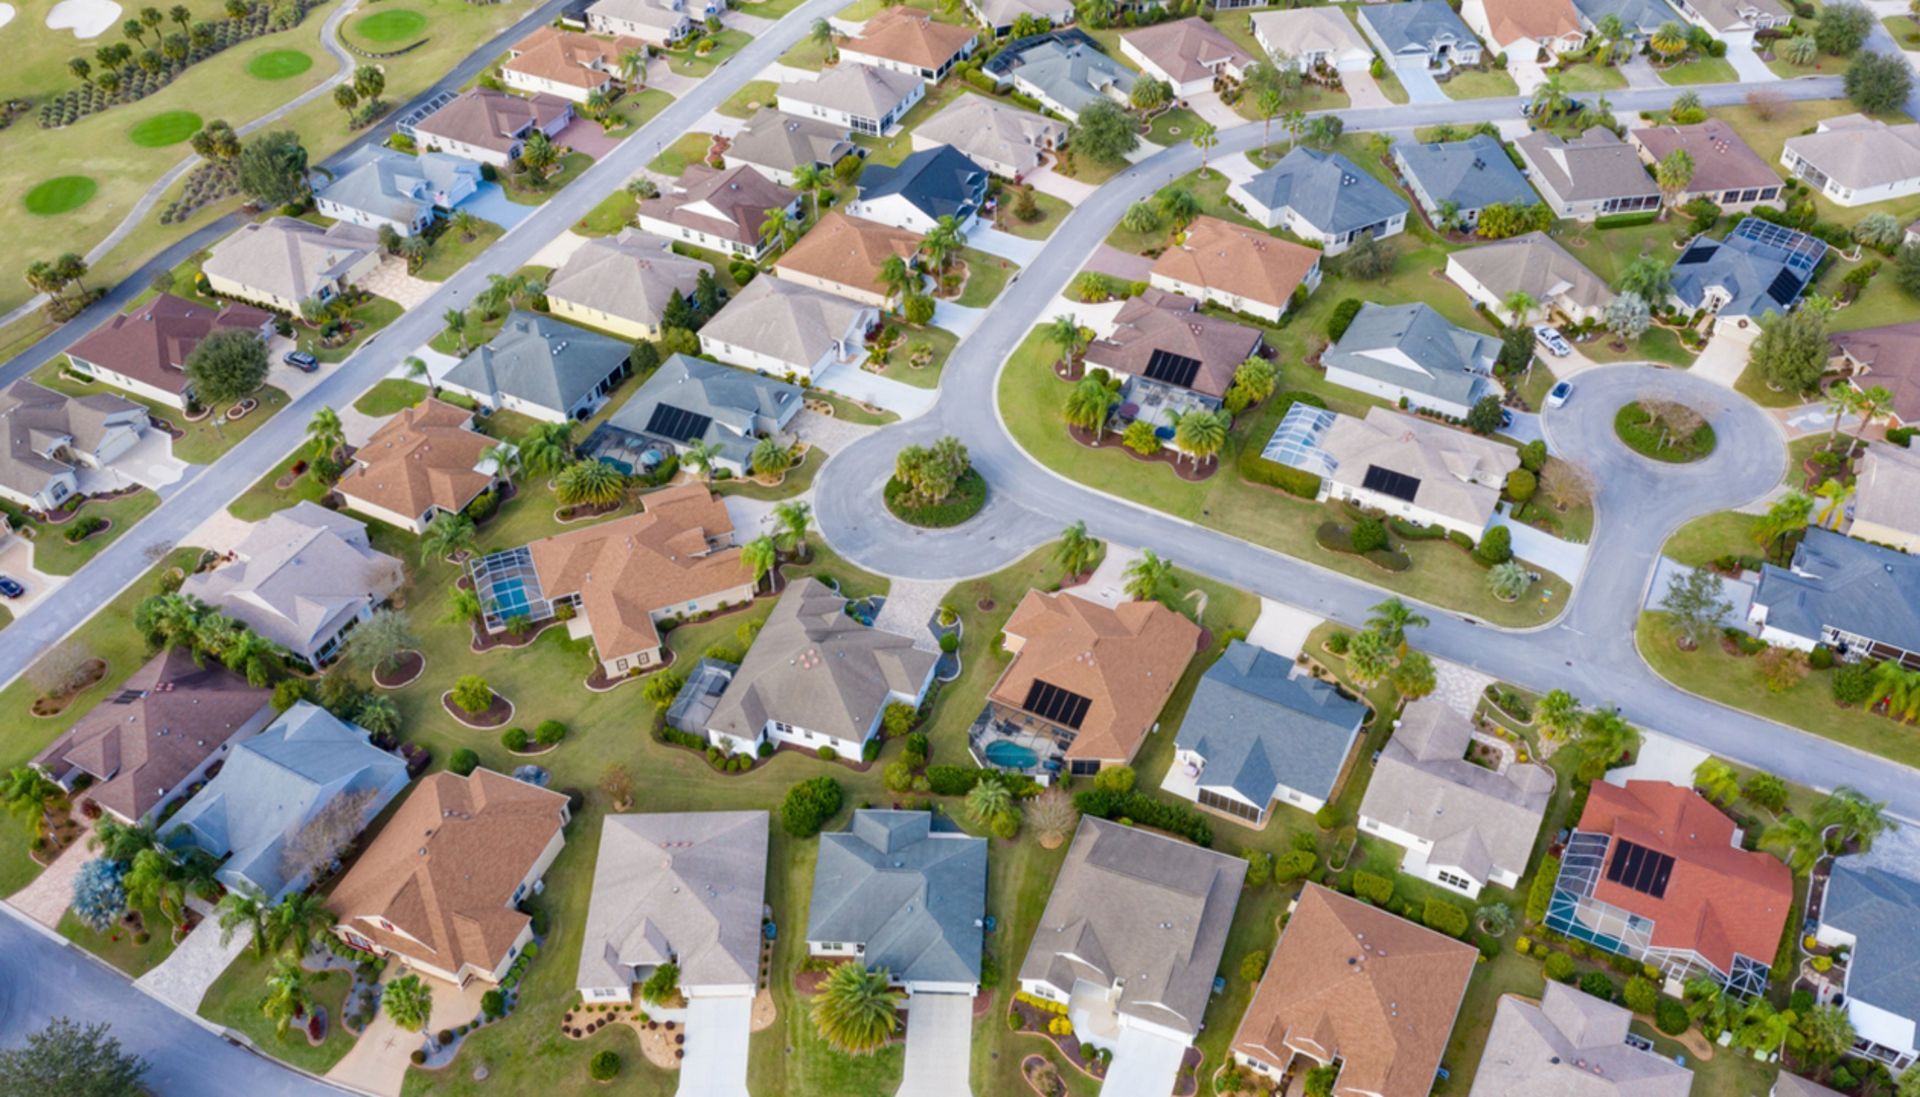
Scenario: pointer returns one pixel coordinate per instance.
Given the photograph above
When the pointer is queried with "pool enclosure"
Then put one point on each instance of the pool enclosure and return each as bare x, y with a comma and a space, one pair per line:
509, 587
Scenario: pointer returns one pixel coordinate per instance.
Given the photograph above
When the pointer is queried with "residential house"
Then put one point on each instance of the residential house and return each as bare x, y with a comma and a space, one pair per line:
1463, 825
1869, 907
1570, 1042
1322, 198
785, 329
1640, 17
1420, 35
1311, 38
1171, 356
47, 438
1734, 21
815, 677
1411, 352
1527, 30
302, 578
655, 22
690, 400
675, 559
541, 368
912, 41
1237, 268
1257, 733
904, 892
145, 351
156, 735
776, 145
1855, 160
376, 187
1188, 54
424, 461
1594, 175
844, 255
257, 811
1089, 677
720, 209
282, 261
1534, 264
623, 284
1887, 356
1463, 176
569, 64
1002, 139
491, 126
440, 887
686, 888
998, 16
926, 186
861, 98
1726, 170
1353, 984
1067, 75
1655, 872
1886, 503
1860, 600
1759, 268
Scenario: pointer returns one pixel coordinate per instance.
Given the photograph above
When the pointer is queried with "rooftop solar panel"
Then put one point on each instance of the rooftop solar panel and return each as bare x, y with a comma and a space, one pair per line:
1640, 869
1056, 705
1698, 253
1785, 287
677, 424
1171, 368
1388, 482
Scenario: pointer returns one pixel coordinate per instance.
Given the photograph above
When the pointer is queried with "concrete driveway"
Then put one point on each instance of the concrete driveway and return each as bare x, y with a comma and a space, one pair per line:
1737, 592
1364, 90
957, 319
184, 977
490, 203
1208, 106
828, 432
1421, 87
1049, 181
588, 137
150, 462
717, 1033
1640, 75
1747, 63
1004, 244
1565, 558
898, 397
379, 1060
1145, 1064
1281, 628
16, 562
392, 281
1725, 358
939, 1046
46, 899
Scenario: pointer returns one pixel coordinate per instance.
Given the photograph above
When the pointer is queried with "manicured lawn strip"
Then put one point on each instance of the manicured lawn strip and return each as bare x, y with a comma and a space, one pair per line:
263, 498
374, 314
806, 54
53, 555
615, 212
891, 150
1710, 536
234, 1001
1473, 84
1590, 76
522, 189
1211, 191
942, 343
389, 396
638, 108
1700, 70
688, 148
1174, 127
1644, 435
1754, 387
796, 482
60, 194
1391, 87
452, 251
389, 25
1656, 345
204, 441
752, 95
278, 64
1052, 212
725, 44
987, 275
844, 408
117, 947
1904, 30
766, 9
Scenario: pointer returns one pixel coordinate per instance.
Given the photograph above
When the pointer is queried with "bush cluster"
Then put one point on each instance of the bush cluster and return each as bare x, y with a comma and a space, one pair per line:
1444, 916
1144, 810
1373, 887
809, 805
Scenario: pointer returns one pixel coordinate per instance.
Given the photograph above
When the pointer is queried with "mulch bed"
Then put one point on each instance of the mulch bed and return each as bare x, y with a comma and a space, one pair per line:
502, 496
1188, 1081
565, 515
1072, 371
411, 664
167, 428
497, 714
91, 673
599, 682
1032, 1065
806, 982
1035, 1024
95, 532
68, 514
854, 764
484, 641
1184, 467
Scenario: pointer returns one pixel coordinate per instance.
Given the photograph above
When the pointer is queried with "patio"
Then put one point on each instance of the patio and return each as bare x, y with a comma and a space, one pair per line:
1014, 743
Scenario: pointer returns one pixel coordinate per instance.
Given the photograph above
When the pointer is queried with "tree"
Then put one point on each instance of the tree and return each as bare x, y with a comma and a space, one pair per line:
378, 714
616, 782
1647, 277
1177, 204
1716, 781
1392, 618
1205, 136
1878, 82
1140, 218
1253, 381
1078, 551
120, 843
153, 880
899, 279
1698, 604
408, 1002
1801, 50
320, 839
1369, 259
1485, 416
547, 448
227, 364
72, 1060
32, 797
856, 1008
1558, 713
1324, 130
1149, 578
272, 168
472, 694
1879, 229
1842, 28
988, 800
287, 995
944, 241
1150, 93
295, 923
1550, 97
808, 806
779, 230
1853, 817
700, 455
1508, 581
325, 434
1673, 173
1370, 658
1064, 331
792, 521
1268, 102
589, 483
1601, 739
346, 98
1105, 133
1414, 675
770, 458
1827, 1029
1834, 495
1669, 39
1787, 516
99, 896
450, 536
1791, 351
760, 557
1052, 816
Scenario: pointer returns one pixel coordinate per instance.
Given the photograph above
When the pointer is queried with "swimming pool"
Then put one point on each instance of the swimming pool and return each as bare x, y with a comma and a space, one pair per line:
510, 597
1011, 755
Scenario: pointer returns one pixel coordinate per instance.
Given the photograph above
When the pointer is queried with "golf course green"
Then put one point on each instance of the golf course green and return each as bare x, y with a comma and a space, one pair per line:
389, 26
166, 128
278, 64
60, 194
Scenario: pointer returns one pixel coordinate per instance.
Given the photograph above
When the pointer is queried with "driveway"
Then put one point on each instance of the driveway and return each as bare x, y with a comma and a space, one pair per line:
150, 462
716, 1062
16, 561
939, 1046
1565, 558
184, 978
490, 203
1421, 87
1640, 75
1071, 191
1237, 168
829, 432
1208, 106
957, 319
556, 252
1660, 758
1725, 358
1364, 90
1281, 628
1005, 244
378, 1062
898, 397
588, 137
1752, 70
1459, 687
391, 281
1108, 259
1527, 74
1145, 1064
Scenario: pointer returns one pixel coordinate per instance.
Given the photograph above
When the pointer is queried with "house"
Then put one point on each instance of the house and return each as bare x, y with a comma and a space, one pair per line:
1594, 175
1640, 17
1256, 733
1354, 984
1002, 139
1419, 35
998, 16
160, 732
424, 461
926, 186
689, 400
1570, 1042
1855, 160
1091, 678
542, 368
302, 578
1726, 170
1067, 75
377, 187
1131, 937
1237, 268
1188, 54
1888, 356
1860, 600
815, 677
1323, 198
655, 22
440, 887
861, 98
1415, 469
1869, 907
1464, 825
912, 41
1527, 30
1655, 872
1411, 352
491, 126
282, 261
1886, 503
1467, 176
904, 892
1171, 354
145, 351
783, 328
623, 284
675, 559
1734, 21
1534, 264
844, 255
48, 437
776, 145
271, 810
686, 888
569, 64
1312, 38
1759, 268
720, 209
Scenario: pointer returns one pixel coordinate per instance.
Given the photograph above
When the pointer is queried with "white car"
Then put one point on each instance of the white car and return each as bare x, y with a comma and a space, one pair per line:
1551, 339
1558, 395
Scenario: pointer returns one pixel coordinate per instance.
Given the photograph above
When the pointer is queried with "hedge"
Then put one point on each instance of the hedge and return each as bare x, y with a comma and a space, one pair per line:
1342, 318
1144, 810
1413, 531
1374, 887
809, 805
1256, 469
1445, 917
1626, 220
1559, 967
1335, 538
1670, 1017
1541, 891
1597, 984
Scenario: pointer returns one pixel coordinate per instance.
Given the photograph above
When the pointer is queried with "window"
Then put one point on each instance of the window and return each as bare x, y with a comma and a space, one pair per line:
1210, 799
1081, 767
1454, 881
620, 664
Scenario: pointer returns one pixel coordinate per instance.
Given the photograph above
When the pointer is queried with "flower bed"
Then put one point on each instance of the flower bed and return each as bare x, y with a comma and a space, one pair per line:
411, 664
968, 496
89, 675
496, 715
1039, 1017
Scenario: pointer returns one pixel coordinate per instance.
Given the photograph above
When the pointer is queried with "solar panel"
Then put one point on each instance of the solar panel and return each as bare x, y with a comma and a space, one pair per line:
678, 424
1640, 869
1056, 705
1698, 253
1388, 482
1174, 369
1785, 287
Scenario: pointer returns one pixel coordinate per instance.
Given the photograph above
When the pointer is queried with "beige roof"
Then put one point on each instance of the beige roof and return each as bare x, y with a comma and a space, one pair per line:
1158, 321
1859, 152
1722, 159
569, 57
1537, 265
1509, 21
425, 456
1186, 49
1570, 1044
1788, 1084
782, 142
731, 203
1889, 489
489, 119
784, 320
289, 258
911, 37
1351, 980
862, 91
1727, 14
990, 132
1594, 165
664, 14
1459, 473
634, 275
444, 869
1231, 258
849, 250
1310, 30
36, 421
1124, 660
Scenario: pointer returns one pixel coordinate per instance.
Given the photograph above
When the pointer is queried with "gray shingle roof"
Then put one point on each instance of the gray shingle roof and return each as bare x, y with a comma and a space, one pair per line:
1329, 191
540, 360
914, 895
1876, 897
394, 185
785, 320
1570, 1044
634, 275
1595, 165
993, 131
862, 91
1415, 24
1474, 174
1442, 354
939, 182
1257, 726
1073, 75
1759, 268
733, 401
783, 142
34, 421
1644, 16
1854, 586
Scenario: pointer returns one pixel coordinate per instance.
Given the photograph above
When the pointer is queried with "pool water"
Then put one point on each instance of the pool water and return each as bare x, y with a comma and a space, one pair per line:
1010, 755
510, 597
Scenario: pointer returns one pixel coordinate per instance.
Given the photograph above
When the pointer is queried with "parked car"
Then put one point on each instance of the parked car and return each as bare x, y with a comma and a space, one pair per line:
10, 587
1559, 394
302, 361
1550, 338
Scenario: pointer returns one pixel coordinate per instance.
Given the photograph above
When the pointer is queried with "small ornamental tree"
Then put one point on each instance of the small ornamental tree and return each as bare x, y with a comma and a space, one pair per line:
809, 805
227, 365
463, 761
1253, 965
66, 1059
662, 985
408, 1002
604, 1066
1495, 547
99, 896
472, 694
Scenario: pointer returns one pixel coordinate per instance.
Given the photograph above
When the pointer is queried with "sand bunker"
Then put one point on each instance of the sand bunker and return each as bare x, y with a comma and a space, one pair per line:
85, 18
6, 14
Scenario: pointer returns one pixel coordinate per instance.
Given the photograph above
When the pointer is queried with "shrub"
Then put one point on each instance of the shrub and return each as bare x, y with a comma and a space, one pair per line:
1597, 984
549, 732
1259, 866
1299, 483
604, 1065
1369, 535
1496, 547
1327, 817
1853, 683
1560, 967
1294, 864
949, 642
1253, 965
870, 750
1114, 779
514, 739
493, 1003
809, 805
1641, 996
472, 694
1342, 318
1821, 658
1670, 1017
464, 761
1521, 485
1338, 642
953, 780
828, 754
1378, 889
1145, 810
1626, 220
1445, 917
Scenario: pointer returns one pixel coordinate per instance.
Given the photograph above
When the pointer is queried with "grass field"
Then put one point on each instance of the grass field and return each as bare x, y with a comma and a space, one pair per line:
615, 212
1701, 70
278, 64
118, 947
1474, 84
60, 194
387, 26
451, 251
234, 1001
53, 555
166, 128
389, 396
1589, 76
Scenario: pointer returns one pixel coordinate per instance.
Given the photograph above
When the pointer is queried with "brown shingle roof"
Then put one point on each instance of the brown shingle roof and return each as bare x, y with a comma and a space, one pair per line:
1124, 661
1511, 20
1242, 261
1188, 49
1161, 321
151, 343
729, 203
443, 870
423, 457
1891, 355
569, 57
490, 119
1722, 160
1351, 980
849, 250
911, 37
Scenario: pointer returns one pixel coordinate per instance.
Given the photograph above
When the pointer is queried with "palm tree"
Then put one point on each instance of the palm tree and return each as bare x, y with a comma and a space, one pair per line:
1873, 405
809, 178
1201, 434
1603, 737
769, 457
1392, 618
253, 656
1855, 818
287, 996
1177, 204
1673, 174
408, 1001
117, 841
1796, 841
1149, 577
792, 520
1828, 1032
1205, 136
1140, 218
449, 536
820, 33
1842, 400
589, 484
1763, 1028
1716, 781
1612, 28
1787, 516
32, 797
1834, 495
456, 322
1268, 102
779, 230
633, 67
1064, 331
325, 434
547, 448
153, 880
1088, 403
465, 223
297, 922
988, 800
1709, 1003
462, 606
1550, 98
1669, 40
1519, 305
700, 455
1294, 122
415, 368
1558, 714
1078, 551
944, 241
760, 556
505, 458
1898, 687
898, 278
856, 1010
239, 908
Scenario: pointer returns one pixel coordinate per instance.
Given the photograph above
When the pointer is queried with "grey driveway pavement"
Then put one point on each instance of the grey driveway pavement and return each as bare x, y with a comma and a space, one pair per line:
717, 1034
1422, 88
939, 1043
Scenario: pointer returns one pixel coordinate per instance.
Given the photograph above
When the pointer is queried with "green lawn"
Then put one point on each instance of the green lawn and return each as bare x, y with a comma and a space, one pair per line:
897, 147
524, 189
60, 194
371, 316
234, 1001
1391, 87
1590, 76
169, 127
53, 555
278, 64
987, 275
806, 54
389, 26
453, 250
390, 395
1701, 70
1052, 212
1904, 30
752, 95
725, 44
1474, 84
846, 409
1710, 536
1755, 388
1656, 345
117, 945
615, 212
638, 108
204, 440
263, 498
688, 148
940, 340
1173, 127
1767, 135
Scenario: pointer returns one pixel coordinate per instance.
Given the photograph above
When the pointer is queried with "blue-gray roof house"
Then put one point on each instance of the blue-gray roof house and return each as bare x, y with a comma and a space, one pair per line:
376, 186
1861, 600
1068, 75
1871, 906
1759, 268
1641, 17
1471, 174
1412, 352
926, 186
1323, 198
539, 366
1255, 733
288, 801
1419, 35
691, 400
904, 891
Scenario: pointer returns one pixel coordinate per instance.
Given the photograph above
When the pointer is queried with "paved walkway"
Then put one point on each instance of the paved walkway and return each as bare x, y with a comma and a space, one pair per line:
183, 978
1459, 687
898, 397
911, 603
939, 1038
1208, 106
1544, 549
392, 281
829, 432
1282, 629
1640, 75
1527, 74
47, 898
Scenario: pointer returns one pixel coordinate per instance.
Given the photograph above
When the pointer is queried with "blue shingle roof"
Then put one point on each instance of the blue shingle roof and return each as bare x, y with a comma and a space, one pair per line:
1856, 587
939, 182
1257, 726
1327, 190
1759, 268
1473, 174
1876, 898
912, 892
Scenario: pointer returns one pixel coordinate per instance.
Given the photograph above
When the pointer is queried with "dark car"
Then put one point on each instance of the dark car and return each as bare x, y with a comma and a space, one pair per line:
302, 361
11, 587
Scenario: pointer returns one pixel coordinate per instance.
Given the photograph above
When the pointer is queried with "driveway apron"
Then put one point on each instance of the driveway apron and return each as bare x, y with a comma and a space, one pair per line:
939, 1039
1421, 86
716, 1062
1144, 1065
